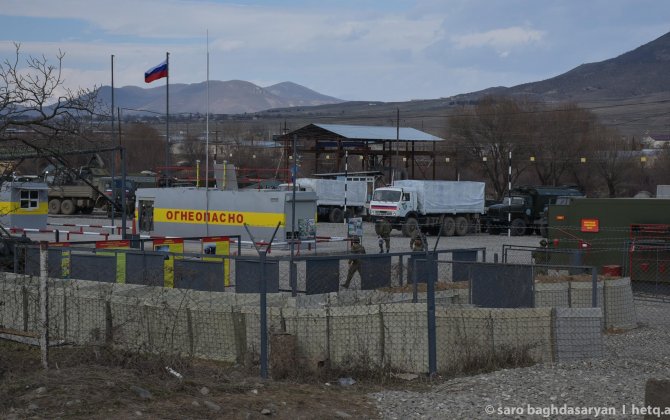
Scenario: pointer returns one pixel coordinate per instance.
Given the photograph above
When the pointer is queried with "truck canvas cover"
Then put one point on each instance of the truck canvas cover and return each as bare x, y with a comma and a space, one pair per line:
330, 192
447, 196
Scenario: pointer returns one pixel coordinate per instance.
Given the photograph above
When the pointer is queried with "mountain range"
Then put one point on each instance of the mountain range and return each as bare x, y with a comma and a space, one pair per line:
630, 91
229, 97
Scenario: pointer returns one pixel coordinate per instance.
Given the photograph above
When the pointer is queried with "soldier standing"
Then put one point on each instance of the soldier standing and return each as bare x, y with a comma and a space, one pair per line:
354, 263
417, 243
383, 230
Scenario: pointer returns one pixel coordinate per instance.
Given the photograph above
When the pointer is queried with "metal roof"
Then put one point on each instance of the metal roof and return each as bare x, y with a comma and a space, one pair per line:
378, 133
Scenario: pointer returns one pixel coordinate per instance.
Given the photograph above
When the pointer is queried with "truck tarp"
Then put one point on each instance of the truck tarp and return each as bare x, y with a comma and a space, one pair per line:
330, 192
447, 196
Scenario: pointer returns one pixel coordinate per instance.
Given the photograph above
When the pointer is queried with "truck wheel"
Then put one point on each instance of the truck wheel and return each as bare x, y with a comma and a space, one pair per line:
518, 227
67, 207
410, 225
462, 226
54, 206
336, 215
448, 226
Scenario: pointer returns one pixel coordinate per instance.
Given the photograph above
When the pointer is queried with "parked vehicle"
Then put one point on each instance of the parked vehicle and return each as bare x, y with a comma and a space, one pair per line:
524, 209
113, 189
446, 207
69, 193
331, 197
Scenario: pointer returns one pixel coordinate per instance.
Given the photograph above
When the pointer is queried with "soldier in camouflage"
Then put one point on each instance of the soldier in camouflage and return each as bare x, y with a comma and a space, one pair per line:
354, 263
383, 230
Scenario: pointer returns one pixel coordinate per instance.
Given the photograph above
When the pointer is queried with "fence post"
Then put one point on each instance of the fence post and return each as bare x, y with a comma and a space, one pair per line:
16, 258
44, 304
415, 290
293, 272
264, 318
594, 287
430, 303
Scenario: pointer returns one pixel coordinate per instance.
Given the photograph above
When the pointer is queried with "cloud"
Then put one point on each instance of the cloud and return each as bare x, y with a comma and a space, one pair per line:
501, 40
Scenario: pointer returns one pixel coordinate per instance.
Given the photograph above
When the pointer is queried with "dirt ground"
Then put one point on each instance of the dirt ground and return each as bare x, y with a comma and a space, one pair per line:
99, 383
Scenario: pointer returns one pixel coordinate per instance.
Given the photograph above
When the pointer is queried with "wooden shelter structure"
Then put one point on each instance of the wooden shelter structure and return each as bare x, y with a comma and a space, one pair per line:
369, 148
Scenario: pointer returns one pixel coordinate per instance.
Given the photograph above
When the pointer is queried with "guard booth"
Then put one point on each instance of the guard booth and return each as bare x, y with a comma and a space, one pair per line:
24, 204
191, 211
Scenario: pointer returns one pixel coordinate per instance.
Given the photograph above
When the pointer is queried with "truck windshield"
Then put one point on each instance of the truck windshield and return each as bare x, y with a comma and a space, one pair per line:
516, 201
386, 195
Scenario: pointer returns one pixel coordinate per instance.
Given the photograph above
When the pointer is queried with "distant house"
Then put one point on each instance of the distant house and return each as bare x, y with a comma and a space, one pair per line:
656, 141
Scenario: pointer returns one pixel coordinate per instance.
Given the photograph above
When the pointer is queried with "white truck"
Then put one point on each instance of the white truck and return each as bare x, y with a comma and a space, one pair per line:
330, 195
453, 206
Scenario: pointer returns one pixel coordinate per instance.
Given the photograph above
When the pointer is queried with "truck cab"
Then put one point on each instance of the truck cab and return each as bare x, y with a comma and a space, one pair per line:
392, 202
525, 207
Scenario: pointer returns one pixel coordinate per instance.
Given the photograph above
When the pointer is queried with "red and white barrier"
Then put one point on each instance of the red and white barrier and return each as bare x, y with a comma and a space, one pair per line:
118, 229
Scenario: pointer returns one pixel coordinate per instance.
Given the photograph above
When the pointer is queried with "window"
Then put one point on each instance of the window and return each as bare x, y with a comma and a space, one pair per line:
386, 195
29, 199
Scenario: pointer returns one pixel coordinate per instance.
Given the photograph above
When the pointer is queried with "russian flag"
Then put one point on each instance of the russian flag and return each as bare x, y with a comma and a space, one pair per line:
157, 72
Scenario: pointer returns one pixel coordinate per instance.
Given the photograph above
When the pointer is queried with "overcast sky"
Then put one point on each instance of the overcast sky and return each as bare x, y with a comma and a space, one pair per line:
386, 50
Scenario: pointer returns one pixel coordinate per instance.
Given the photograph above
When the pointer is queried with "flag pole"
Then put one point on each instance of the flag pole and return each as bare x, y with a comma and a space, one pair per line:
207, 148
207, 122
113, 204
167, 120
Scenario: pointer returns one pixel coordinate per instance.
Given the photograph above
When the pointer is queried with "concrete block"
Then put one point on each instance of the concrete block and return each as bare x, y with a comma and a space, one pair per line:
356, 336
578, 333
353, 297
523, 330
217, 334
312, 301
251, 315
580, 294
555, 295
463, 335
405, 336
310, 327
619, 304
168, 330
130, 328
85, 315
57, 305
12, 306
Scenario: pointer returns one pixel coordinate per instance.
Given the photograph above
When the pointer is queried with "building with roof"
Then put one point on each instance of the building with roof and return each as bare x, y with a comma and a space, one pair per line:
390, 150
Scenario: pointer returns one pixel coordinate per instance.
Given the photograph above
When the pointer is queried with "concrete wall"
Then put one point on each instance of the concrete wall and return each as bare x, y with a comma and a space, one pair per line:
354, 328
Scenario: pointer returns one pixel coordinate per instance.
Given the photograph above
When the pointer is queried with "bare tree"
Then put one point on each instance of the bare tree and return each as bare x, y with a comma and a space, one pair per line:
490, 131
612, 160
37, 112
562, 137
145, 148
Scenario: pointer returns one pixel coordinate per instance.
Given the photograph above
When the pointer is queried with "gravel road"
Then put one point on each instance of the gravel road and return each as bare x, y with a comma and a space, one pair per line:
615, 382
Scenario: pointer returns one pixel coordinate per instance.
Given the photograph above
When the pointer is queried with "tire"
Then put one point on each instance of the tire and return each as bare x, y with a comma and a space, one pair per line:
518, 227
67, 207
54, 206
336, 215
448, 226
462, 226
410, 225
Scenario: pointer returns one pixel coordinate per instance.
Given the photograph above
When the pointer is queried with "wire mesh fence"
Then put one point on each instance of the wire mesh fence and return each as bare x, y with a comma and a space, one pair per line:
446, 311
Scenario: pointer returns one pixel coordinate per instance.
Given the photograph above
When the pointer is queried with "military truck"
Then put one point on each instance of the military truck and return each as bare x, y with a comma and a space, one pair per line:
445, 207
331, 197
69, 194
526, 207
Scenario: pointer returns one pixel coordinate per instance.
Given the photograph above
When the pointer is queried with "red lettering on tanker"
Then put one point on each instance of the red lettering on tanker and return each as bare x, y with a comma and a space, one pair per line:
195, 216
